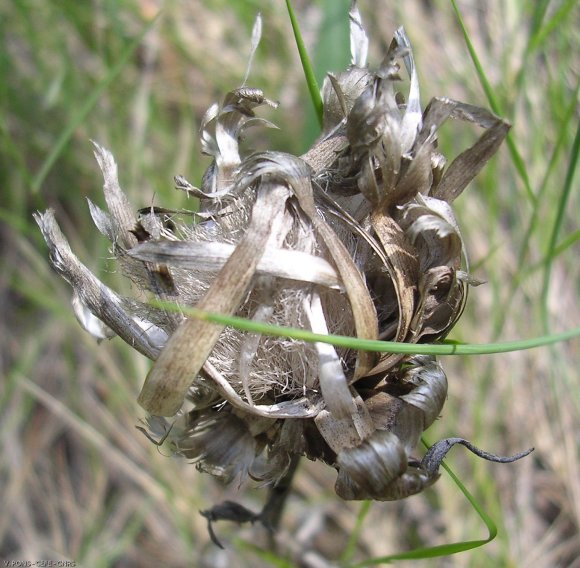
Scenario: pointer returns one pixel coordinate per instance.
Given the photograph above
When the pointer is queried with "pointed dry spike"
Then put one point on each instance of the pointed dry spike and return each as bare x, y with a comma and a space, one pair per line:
359, 42
120, 224
189, 347
102, 221
89, 321
412, 119
469, 163
339, 94
117, 201
256, 37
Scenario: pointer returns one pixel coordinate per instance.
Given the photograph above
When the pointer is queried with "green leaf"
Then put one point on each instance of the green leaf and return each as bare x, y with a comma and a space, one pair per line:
309, 74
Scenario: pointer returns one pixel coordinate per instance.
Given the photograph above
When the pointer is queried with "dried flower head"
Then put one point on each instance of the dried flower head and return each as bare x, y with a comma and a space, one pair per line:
356, 237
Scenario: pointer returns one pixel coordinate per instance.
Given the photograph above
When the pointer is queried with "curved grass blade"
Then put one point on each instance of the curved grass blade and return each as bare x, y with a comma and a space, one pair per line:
495, 106
536, 25
520, 273
313, 87
267, 555
84, 110
558, 224
566, 243
350, 547
369, 344
442, 549
557, 19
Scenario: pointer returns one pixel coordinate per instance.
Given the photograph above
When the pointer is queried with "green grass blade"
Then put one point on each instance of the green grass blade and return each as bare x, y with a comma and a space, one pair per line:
562, 247
368, 344
267, 555
495, 106
558, 18
443, 549
531, 229
350, 547
84, 110
537, 19
567, 243
563, 203
551, 167
309, 74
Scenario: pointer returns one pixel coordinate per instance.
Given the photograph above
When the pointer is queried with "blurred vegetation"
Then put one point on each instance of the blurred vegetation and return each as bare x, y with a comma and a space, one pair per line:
77, 480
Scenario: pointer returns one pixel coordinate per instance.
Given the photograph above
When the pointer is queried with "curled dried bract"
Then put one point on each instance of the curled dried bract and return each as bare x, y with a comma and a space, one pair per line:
356, 237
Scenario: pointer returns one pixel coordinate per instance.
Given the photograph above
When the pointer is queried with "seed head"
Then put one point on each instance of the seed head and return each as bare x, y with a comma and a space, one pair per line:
356, 237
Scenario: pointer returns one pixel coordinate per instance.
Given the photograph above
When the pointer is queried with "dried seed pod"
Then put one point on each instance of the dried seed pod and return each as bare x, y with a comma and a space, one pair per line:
356, 237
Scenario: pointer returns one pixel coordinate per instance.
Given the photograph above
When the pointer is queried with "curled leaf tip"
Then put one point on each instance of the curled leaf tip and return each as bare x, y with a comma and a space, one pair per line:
436, 454
227, 511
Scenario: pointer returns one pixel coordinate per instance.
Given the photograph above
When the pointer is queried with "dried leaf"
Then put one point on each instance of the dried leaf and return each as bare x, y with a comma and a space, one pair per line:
359, 41
333, 383
119, 207
188, 348
211, 256
403, 270
99, 299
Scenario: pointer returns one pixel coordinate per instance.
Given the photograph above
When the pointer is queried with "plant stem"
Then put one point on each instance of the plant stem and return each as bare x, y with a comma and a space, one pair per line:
273, 509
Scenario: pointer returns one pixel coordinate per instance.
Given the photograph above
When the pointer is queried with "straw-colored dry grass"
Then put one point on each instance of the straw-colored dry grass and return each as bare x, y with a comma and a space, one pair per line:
78, 482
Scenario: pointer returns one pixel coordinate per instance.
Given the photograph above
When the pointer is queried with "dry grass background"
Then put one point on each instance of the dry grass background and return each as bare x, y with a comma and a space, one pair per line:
77, 480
